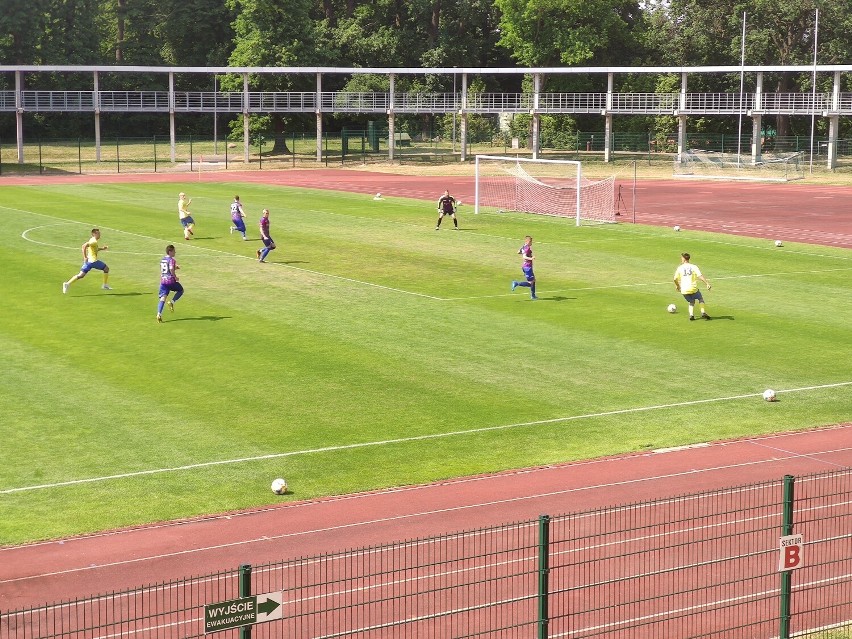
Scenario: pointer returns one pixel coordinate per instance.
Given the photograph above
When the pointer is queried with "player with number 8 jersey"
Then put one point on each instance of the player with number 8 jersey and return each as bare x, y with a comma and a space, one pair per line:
168, 282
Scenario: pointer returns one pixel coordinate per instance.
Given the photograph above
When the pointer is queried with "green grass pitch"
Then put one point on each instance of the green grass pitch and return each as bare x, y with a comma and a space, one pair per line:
372, 351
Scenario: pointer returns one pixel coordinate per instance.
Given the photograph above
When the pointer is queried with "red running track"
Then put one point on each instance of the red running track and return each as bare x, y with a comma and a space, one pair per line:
42, 573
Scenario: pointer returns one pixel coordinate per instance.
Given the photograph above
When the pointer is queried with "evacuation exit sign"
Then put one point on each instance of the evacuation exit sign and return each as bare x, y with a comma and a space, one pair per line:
244, 611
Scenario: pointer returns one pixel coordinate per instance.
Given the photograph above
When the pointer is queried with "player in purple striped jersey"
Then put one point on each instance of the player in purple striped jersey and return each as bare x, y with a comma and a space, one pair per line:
238, 217
268, 243
168, 282
526, 254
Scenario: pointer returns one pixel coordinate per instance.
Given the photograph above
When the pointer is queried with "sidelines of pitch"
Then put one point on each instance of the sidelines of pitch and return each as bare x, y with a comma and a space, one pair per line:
432, 436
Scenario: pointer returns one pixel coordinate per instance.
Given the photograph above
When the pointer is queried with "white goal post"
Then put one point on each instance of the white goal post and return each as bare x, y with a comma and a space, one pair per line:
546, 187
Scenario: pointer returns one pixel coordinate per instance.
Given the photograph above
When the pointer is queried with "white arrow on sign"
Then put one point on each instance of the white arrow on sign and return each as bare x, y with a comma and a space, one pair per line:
269, 606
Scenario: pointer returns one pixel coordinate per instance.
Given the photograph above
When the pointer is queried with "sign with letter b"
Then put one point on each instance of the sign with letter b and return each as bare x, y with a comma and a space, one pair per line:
792, 553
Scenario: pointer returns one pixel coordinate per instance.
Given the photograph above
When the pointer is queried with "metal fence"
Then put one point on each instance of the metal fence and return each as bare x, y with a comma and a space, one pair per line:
687, 567
157, 154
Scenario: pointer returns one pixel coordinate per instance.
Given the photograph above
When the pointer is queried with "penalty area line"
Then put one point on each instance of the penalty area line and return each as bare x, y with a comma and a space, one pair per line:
418, 438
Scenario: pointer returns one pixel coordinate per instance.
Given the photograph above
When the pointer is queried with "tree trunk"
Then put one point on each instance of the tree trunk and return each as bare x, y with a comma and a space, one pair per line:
119, 34
279, 146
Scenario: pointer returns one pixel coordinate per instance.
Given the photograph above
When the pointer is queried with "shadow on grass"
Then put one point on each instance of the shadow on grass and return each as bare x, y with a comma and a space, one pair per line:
113, 294
200, 318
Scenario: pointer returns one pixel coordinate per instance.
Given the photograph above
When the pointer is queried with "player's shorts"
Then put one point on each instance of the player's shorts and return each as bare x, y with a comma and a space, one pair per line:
174, 287
528, 273
186, 221
269, 243
239, 224
693, 297
88, 266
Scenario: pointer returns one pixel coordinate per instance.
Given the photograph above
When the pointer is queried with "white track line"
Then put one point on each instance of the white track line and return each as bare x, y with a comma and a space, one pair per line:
413, 515
400, 440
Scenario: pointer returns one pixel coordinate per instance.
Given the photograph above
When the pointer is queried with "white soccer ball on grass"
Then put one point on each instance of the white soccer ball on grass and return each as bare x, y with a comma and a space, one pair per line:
671, 308
279, 486
769, 395
676, 227
779, 243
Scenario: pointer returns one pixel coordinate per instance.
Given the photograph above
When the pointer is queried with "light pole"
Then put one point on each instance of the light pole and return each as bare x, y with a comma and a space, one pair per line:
454, 111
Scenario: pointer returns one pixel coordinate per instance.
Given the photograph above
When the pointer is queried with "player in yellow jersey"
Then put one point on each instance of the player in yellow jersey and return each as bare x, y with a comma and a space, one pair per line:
90, 250
686, 281
185, 216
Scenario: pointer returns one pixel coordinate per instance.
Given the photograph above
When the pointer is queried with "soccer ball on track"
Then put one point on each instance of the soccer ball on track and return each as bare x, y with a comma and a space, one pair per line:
279, 486
671, 308
769, 395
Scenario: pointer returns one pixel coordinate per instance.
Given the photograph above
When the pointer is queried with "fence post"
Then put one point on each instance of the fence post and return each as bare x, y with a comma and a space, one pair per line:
191, 166
117, 155
543, 574
786, 576
40, 165
79, 155
245, 591
155, 154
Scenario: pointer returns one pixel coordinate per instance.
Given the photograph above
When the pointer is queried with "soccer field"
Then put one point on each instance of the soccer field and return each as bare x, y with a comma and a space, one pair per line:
371, 351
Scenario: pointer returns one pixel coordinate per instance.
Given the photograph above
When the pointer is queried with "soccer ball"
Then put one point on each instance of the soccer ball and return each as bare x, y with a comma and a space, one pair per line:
779, 243
676, 228
458, 202
378, 196
769, 395
279, 486
671, 308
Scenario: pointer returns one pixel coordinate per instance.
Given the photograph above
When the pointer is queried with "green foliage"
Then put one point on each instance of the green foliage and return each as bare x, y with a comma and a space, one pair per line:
567, 32
343, 345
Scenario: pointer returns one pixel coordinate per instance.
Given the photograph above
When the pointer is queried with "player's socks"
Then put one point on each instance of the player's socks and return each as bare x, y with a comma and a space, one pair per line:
160, 306
527, 284
532, 291
177, 296
514, 285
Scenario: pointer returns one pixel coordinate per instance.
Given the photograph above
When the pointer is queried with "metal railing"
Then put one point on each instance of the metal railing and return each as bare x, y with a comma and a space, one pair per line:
705, 565
377, 102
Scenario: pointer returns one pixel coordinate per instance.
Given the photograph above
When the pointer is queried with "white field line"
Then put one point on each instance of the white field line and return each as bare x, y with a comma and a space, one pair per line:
417, 438
758, 441
219, 253
216, 253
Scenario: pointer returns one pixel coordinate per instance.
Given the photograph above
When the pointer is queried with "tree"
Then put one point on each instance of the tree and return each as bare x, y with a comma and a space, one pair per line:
689, 32
569, 32
271, 33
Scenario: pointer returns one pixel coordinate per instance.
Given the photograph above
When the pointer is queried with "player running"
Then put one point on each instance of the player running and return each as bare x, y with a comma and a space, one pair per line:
268, 242
90, 250
185, 216
168, 282
238, 217
527, 258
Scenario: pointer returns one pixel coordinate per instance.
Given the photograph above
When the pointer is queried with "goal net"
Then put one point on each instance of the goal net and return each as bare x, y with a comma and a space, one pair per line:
710, 165
546, 187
